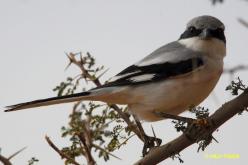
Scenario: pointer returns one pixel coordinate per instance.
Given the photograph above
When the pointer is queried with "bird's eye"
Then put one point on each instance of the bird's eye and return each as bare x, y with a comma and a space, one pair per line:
192, 29
219, 30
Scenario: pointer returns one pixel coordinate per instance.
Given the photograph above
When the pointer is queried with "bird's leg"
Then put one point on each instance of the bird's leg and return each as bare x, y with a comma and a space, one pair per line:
202, 121
194, 128
175, 117
149, 141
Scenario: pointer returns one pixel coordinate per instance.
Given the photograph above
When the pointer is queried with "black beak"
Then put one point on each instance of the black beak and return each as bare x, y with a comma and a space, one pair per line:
206, 34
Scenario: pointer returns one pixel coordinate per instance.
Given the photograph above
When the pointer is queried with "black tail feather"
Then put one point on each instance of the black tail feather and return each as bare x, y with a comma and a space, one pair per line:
47, 101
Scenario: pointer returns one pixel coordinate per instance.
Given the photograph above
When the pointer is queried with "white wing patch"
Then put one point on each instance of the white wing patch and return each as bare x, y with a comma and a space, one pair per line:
156, 60
115, 78
140, 78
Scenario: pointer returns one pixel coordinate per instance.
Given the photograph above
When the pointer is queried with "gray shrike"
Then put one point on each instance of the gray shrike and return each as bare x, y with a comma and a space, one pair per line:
171, 79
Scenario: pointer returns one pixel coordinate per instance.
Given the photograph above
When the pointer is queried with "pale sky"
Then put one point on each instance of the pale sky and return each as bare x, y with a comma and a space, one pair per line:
35, 34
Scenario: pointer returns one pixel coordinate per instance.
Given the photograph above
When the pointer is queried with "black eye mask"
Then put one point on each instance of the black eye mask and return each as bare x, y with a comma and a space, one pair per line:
193, 32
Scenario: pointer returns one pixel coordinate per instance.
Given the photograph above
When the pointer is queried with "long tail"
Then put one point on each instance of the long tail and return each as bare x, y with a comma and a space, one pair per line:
49, 101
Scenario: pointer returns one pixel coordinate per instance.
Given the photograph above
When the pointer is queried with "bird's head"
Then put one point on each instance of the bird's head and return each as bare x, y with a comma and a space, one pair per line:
206, 28
205, 34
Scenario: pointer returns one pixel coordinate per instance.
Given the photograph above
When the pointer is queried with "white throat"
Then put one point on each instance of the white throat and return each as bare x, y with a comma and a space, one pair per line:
212, 47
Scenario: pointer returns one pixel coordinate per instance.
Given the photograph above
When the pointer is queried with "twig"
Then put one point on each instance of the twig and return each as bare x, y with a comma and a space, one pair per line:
63, 155
16, 153
97, 82
125, 141
85, 139
224, 113
102, 149
232, 71
87, 148
6, 161
80, 64
235, 69
130, 124
243, 22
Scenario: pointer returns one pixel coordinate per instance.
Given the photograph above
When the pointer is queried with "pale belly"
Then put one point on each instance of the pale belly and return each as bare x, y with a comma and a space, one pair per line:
172, 96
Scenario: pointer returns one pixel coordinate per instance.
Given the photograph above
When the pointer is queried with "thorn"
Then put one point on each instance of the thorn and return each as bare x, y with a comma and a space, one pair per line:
153, 132
215, 139
102, 74
100, 148
70, 61
88, 54
82, 60
16, 153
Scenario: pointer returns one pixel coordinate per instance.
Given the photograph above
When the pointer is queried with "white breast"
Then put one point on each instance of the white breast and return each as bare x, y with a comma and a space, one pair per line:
214, 48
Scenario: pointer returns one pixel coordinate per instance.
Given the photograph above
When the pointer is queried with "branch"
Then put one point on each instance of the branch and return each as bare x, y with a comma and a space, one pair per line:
80, 63
224, 113
243, 22
16, 153
102, 149
6, 161
235, 69
63, 155
84, 138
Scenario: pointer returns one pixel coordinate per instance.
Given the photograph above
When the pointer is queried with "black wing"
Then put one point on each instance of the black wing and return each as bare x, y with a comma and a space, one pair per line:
134, 74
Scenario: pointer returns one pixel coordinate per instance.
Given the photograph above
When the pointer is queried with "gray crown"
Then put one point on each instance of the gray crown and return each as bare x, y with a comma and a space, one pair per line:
206, 21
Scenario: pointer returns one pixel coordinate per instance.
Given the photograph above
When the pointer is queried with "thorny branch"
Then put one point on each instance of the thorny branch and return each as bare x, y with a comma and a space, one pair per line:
87, 143
149, 142
224, 113
159, 153
85, 134
6, 161
63, 155
80, 63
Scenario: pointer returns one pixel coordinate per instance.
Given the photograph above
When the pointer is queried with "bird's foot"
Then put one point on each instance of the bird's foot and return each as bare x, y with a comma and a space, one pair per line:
149, 143
194, 126
197, 129
201, 122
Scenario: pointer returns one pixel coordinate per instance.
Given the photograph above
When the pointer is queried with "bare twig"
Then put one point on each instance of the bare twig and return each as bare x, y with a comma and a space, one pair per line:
235, 69
85, 137
16, 153
224, 113
243, 22
6, 161
63, 155
80, 64
102, 149
231, 71
125, 141
87, 147
97, 82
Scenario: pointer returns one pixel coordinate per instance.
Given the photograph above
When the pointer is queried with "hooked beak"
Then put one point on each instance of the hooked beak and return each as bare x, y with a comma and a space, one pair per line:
206, 34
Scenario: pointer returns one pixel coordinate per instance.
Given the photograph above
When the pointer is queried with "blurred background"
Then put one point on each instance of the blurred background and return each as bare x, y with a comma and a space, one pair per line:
34, 36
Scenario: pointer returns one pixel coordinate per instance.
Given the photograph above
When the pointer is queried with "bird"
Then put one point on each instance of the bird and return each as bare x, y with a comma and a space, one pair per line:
174, 77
